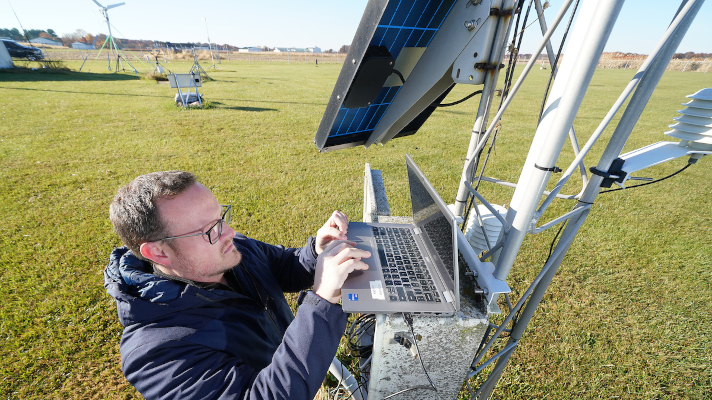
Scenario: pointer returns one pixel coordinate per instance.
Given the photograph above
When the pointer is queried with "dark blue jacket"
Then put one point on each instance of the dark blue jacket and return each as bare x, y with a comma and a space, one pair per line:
187, 341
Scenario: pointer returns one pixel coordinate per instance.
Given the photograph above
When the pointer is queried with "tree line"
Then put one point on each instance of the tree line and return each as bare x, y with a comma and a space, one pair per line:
691, 55
82, 36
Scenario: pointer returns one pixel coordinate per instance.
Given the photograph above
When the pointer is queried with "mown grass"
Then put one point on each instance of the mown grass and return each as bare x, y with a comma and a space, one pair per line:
627, 316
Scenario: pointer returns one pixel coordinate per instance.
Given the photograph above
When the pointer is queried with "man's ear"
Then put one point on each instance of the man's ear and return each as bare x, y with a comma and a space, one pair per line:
154, 251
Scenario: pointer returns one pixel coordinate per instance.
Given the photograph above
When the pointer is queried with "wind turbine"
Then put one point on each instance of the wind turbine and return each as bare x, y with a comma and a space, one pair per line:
113, 48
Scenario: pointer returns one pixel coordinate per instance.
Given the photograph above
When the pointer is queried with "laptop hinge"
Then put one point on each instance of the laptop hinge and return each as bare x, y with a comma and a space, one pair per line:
448, 296
417, 231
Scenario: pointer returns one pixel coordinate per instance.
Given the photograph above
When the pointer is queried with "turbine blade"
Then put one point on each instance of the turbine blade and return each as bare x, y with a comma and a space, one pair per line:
114, 5
97, 3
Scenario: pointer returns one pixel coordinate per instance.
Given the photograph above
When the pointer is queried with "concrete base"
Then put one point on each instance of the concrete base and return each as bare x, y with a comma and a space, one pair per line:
447, 345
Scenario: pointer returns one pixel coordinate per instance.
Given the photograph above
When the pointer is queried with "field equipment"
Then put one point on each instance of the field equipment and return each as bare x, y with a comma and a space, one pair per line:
405, 58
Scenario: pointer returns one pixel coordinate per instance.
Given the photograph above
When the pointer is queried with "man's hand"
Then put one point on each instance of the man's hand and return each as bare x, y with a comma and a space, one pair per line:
333, 265
335, 228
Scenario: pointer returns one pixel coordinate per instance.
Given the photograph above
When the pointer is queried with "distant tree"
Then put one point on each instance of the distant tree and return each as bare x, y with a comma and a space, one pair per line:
33, 33
100, 39
15, 34
51, 33
11, 33
344, 49
77, 36
329, 51
89, 38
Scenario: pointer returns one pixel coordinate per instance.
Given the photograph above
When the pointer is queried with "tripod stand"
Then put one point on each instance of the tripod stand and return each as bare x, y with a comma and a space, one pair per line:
196, 68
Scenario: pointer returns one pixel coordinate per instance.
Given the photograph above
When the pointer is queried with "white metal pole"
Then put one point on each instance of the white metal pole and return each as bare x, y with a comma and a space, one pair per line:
479, 134
542, 25
658, 52
478, 140
590, 34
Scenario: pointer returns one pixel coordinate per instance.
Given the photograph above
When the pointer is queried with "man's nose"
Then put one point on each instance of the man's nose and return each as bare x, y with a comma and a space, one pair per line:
228, 231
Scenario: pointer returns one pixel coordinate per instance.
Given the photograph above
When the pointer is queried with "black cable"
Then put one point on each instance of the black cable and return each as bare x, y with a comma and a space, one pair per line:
551, 248
395, 71
461, 100
648, 183
409, 321
556, 61
353, 333
508, 75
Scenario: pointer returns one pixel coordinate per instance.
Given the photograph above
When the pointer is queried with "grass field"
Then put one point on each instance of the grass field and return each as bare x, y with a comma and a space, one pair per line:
628, 315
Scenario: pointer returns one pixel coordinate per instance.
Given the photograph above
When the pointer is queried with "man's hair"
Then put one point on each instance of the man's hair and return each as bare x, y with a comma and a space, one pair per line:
134, 213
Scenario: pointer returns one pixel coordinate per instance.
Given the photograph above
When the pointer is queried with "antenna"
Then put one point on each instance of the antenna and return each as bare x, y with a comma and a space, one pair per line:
209, 45
113, 49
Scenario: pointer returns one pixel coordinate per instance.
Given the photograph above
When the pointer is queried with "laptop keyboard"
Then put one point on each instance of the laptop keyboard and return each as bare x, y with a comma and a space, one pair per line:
404, 272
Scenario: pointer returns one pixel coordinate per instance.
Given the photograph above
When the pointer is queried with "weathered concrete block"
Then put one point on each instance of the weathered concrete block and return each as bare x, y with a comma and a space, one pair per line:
447, 347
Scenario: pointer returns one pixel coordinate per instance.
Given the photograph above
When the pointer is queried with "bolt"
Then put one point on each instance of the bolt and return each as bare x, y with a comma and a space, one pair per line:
471, 25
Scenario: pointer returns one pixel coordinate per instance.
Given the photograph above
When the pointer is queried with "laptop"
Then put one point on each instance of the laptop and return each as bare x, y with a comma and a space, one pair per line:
412, 268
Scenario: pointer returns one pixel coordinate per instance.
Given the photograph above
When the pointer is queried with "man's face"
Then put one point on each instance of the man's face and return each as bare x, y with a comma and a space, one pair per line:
194, 258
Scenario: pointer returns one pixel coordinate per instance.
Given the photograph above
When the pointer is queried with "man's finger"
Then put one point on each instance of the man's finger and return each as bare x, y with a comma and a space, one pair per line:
336, 243
348, 253
334, 233
340, 220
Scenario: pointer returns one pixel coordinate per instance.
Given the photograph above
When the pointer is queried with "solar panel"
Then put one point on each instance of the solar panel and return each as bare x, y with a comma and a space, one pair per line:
398, 69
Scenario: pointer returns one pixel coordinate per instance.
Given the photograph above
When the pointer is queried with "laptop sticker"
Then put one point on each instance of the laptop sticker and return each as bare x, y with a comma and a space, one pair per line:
377, 290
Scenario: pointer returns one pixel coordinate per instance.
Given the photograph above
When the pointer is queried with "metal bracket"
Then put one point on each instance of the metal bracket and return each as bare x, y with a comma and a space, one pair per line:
407, 340
496, 12
488, 67
615, 173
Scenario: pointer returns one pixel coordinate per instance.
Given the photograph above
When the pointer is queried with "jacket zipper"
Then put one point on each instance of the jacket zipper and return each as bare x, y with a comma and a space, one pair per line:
265, 304
271, 318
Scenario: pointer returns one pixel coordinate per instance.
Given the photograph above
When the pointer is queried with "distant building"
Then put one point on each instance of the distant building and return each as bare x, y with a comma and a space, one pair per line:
290, 50
297, 49
82, 46
249, 49
175, 46
49, 42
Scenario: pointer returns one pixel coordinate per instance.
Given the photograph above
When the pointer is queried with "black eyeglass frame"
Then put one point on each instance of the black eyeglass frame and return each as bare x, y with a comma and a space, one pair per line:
226, 218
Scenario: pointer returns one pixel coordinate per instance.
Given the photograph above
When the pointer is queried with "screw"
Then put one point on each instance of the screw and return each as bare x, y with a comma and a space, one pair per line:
471, 25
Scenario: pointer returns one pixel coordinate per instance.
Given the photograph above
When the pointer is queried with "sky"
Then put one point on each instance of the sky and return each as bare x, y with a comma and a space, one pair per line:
327, 24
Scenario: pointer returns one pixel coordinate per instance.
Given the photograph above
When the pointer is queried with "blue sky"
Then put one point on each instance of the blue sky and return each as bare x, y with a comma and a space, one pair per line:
328, 24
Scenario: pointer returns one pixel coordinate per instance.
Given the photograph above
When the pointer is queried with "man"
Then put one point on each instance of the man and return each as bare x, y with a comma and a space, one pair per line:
202, 306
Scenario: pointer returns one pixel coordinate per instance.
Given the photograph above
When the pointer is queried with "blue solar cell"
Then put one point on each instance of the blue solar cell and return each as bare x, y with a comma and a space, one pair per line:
402, 24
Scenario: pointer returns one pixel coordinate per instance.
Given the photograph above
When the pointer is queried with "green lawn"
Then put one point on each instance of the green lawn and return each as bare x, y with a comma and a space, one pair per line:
628, 315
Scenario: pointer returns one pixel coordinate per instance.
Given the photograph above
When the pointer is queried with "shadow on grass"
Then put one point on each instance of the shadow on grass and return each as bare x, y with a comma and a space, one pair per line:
59, 75
217, 104
76, 92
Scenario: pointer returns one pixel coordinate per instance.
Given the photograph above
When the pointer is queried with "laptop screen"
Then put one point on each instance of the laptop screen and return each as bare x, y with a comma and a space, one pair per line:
432, 221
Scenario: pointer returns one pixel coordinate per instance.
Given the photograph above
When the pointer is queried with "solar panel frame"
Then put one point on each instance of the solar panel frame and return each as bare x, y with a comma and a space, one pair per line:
399, 24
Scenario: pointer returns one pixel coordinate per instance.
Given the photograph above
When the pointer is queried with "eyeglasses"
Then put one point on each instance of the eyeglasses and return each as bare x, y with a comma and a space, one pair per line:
213, 234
